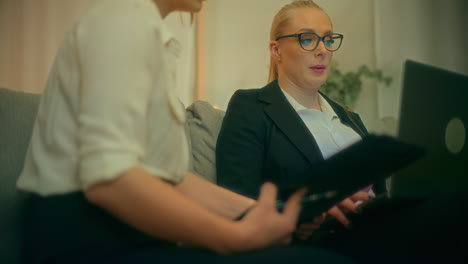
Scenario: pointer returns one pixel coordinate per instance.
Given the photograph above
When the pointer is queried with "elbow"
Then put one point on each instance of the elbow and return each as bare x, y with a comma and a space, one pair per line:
98, 194
108, 194
93, 195
101, 193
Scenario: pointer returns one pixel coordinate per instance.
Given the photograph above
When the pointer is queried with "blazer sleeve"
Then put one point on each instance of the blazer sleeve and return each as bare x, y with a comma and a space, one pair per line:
240, 145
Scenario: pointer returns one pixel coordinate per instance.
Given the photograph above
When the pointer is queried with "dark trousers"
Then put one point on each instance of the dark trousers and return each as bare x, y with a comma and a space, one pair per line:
68, 229
416, 230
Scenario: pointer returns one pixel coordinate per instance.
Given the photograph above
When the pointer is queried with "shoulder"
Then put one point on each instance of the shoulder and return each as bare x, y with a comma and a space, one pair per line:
122, 9
126, 19
257, 95
129, 31
246, 94
244, 105
244, 100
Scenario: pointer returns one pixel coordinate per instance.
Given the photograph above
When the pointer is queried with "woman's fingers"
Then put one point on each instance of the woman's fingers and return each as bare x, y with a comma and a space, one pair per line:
269, 226
348, 205
339, 215
292, 207
360, 196
306, 230
317, 220
287, 240
268, 194
308, 226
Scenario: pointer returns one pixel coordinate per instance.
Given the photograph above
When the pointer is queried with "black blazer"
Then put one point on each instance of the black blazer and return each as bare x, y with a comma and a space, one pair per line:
262, 138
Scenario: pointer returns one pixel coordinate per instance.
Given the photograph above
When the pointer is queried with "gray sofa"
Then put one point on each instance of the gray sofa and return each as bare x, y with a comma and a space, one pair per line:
17, 114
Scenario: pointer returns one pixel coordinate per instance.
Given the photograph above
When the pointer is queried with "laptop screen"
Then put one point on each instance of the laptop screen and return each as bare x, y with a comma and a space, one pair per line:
434, 115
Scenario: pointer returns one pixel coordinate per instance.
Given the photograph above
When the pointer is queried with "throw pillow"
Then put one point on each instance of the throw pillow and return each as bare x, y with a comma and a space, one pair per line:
203, 124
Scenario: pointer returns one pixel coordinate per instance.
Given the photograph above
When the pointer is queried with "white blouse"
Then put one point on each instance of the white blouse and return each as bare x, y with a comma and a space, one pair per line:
330, 134
109, 103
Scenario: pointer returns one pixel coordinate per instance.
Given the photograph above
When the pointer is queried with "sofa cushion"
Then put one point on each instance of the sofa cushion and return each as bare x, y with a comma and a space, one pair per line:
203, 125
17, 114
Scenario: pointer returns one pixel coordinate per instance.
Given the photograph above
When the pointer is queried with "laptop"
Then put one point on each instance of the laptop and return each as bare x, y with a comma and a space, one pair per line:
434, 115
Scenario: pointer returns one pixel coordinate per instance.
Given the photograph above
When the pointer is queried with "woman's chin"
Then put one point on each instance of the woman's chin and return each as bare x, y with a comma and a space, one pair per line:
315, 84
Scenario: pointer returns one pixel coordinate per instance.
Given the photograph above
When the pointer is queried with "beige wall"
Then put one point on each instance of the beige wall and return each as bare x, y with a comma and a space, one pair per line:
30, 33
32, 30
237, 46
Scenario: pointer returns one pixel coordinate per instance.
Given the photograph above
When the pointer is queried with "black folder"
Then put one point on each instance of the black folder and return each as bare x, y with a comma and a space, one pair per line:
368, 161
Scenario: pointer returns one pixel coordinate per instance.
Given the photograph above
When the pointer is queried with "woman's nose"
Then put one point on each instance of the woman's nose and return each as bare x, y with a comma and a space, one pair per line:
320, 50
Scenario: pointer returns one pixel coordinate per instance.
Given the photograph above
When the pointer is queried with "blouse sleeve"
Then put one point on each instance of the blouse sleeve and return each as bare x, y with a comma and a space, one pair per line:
115, 52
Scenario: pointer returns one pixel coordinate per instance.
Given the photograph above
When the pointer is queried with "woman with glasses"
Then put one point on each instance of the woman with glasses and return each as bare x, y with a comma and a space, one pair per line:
278, 132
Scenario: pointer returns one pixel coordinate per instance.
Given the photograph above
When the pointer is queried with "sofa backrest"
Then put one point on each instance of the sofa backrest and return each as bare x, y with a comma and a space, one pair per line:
17, 114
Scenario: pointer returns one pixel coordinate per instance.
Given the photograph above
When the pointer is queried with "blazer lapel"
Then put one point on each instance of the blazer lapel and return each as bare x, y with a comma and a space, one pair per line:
289, 122
347, 117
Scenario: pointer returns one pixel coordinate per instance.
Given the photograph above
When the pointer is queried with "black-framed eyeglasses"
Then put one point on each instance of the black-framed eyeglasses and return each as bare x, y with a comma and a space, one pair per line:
309, 41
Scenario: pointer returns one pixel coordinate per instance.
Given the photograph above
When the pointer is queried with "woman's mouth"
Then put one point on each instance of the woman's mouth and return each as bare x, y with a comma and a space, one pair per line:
318, 68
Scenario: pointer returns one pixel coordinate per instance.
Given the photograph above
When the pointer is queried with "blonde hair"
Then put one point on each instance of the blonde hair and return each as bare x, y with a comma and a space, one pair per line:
280, 21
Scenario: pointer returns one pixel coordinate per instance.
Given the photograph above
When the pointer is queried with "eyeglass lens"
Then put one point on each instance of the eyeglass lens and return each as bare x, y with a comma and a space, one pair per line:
310, 41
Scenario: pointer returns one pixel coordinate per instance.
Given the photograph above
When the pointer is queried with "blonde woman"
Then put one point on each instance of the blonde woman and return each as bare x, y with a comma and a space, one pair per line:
279, 132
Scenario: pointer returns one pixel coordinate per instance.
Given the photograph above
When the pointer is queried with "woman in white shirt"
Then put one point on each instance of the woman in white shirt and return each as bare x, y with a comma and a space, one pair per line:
109, 135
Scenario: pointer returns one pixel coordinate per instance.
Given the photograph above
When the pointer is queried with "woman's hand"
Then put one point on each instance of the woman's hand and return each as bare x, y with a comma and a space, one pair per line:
305, 230
349, 204
264, 226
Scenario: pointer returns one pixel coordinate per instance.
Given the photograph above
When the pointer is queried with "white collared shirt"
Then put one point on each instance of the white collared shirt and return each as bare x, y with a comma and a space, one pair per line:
109, 103
330, 134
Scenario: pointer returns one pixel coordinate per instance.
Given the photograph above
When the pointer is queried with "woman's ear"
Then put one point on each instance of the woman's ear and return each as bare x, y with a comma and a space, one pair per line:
275, 51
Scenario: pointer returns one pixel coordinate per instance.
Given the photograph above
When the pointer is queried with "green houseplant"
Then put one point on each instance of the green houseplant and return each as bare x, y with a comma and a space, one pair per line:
344, 87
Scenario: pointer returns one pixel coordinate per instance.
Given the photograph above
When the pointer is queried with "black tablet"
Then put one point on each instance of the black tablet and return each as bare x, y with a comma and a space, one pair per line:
368, 161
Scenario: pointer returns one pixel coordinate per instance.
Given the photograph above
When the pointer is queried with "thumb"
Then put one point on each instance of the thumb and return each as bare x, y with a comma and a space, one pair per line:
268, 194
293, 204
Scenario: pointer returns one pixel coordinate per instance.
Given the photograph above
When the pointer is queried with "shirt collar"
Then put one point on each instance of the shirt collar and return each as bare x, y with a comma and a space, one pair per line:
168, 39
326, 108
